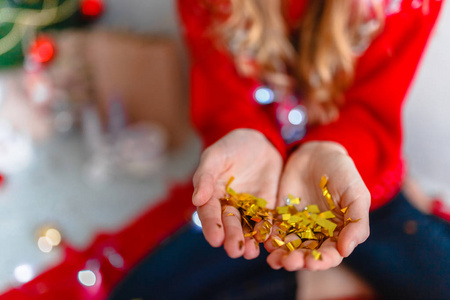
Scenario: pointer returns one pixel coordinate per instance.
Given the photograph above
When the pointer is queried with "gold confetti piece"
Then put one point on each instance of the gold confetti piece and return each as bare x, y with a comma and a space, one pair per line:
284, 226
307, 234
290, 246
330, 226
312, 208
265, 230
313, 245
329, 199
229, 182
344, 210
326, 193
294, 219
277, 243
327, 215
317, 255
247, 222
241, 245
267, 225
296, 243
256, 219
349, 220
323, 181
286, 217
261, 202
282, 209
230, 214
231, 191
250, 234
293, 200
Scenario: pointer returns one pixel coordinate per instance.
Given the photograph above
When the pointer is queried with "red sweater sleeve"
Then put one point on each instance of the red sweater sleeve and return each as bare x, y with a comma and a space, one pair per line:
369, 126
221, 99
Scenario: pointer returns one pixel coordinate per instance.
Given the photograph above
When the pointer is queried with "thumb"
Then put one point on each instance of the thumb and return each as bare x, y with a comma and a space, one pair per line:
203, 188
358, 201
205, 178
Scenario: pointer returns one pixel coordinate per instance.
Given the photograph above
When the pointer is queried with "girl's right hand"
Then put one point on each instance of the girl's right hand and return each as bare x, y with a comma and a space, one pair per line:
256, 166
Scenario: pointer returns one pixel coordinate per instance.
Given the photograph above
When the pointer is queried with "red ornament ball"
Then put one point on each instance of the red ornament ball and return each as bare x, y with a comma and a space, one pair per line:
92, 8
42, 49
2, 180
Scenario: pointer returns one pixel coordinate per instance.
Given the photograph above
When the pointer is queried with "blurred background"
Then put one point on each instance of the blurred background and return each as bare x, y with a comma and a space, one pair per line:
94, 127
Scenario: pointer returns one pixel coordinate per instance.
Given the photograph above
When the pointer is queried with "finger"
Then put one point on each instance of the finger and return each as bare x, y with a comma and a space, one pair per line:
274, 259
329, 257
234, 236
294, 261
204, 184
358, 202
251, 250
268, 244
205, 178
210, 216
291, 261
263, 230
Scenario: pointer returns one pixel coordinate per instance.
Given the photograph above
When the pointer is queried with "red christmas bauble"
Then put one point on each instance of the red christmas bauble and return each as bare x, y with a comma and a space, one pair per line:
42, 49
92, 8
2, 180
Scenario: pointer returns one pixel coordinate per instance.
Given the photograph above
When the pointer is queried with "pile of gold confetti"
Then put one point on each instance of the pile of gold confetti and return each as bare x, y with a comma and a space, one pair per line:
311, 225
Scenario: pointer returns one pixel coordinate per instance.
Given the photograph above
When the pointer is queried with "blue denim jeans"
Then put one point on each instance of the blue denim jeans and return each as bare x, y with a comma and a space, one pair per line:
405, 257
187, 267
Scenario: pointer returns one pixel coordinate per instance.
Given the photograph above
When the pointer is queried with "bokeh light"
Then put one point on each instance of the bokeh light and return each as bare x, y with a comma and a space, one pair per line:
54, 236
264, 95
42, 49
297, 116
45, 244
23, 273
92, 8
114, 258
87, 277
196, 219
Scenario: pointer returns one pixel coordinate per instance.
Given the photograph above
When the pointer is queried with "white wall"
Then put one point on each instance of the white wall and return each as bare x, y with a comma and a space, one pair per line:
427, 115
142, 15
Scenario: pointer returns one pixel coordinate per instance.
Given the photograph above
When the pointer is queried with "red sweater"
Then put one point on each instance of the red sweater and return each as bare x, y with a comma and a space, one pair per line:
369, 126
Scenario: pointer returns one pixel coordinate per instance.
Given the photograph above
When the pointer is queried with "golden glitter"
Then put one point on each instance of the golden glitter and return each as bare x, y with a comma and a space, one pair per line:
250, 234
277, 243
311, 225
317, 255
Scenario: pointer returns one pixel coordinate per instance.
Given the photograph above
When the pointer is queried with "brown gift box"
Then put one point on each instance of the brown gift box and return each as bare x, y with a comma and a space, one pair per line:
142, 70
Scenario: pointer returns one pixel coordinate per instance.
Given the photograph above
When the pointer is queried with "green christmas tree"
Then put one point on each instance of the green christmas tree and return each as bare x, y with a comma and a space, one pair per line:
22, 20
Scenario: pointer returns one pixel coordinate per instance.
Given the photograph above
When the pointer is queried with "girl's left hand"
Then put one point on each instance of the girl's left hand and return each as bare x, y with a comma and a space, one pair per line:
301, 177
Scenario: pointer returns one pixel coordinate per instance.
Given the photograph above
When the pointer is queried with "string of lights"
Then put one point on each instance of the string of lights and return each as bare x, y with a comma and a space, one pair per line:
20, 21
25, 19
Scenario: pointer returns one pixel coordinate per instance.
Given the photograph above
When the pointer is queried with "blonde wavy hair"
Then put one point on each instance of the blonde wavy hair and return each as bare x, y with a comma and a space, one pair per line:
320, 61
